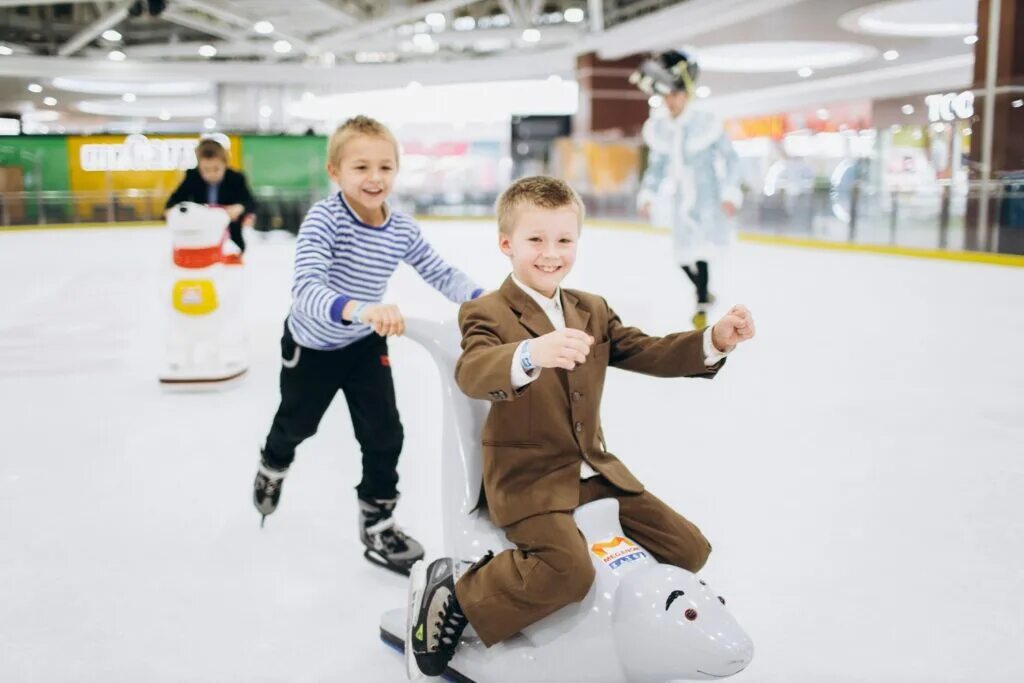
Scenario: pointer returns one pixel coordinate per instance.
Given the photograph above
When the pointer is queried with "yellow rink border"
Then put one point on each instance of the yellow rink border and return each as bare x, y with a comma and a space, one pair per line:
1010, 260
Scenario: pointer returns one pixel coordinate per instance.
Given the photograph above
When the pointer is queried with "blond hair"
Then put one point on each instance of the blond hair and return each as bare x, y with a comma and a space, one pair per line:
542, 192
357, 125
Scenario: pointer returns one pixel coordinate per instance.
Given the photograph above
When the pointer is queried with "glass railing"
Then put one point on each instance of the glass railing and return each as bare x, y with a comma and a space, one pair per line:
940, 215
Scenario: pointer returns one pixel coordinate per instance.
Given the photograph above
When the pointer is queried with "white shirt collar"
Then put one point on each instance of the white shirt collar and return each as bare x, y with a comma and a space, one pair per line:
545, 303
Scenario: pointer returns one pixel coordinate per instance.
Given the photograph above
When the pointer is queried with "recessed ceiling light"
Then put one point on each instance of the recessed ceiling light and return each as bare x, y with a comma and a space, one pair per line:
264, 27
282, 47
464, 24
128, 97
111, 35
35, 87
1017, 104
435, 20
423, 41
207, 50
822, 114
50, 101
890, 55
209, 124
907, 109
654, 101
116, 56
531, 35
573, 15
702, 91
804, 72
164, 116
4, 50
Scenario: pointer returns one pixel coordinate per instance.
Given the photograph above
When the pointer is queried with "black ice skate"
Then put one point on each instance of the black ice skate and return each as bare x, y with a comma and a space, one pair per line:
435, 621
386, 544
266, 489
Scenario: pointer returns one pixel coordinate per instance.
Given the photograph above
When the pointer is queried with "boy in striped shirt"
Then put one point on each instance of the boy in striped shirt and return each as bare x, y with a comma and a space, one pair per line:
335, 336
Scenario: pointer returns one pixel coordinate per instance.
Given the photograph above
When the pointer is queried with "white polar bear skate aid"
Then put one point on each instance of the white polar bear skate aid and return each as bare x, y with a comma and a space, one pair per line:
641, 622
206, 339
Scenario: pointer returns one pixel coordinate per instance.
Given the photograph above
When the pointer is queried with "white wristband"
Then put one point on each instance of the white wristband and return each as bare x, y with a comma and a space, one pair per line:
357, 311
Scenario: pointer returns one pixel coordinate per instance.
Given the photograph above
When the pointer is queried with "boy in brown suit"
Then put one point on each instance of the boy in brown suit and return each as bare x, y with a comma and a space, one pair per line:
540, 353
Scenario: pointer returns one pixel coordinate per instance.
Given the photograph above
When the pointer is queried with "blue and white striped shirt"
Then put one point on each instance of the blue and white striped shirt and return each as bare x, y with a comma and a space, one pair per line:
339, 258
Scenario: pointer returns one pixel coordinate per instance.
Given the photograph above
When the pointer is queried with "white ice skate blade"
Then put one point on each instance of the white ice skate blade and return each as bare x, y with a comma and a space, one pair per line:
417, 584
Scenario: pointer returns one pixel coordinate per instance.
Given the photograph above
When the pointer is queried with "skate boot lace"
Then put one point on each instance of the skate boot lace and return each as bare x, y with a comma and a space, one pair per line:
387, 535
270, 486
450, 624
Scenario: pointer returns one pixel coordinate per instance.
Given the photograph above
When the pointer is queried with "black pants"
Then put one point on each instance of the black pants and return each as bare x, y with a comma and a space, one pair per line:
699, 277
309, 381
235, 233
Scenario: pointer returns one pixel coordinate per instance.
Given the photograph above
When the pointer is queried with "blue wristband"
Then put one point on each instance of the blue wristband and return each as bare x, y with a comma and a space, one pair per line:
525, 360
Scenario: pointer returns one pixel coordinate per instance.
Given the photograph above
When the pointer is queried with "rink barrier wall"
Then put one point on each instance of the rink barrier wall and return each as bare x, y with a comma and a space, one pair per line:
1010, 260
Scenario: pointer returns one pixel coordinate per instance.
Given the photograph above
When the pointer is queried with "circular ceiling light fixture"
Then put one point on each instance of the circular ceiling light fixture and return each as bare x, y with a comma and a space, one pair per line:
282, 47
116, 56
207, 51
112, 35
531, 35
149, 108
781, 56
98, 86
263, 27
573, 15
35, 87
916, 18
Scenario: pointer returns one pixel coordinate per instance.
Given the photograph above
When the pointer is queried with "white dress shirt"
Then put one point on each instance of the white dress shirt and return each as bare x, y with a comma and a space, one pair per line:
552, 308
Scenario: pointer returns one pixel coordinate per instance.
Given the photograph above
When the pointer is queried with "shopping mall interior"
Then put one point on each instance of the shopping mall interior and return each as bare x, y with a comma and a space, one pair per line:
855, 168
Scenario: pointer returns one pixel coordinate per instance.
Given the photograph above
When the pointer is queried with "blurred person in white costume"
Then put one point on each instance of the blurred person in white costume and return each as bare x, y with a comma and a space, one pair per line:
691, 183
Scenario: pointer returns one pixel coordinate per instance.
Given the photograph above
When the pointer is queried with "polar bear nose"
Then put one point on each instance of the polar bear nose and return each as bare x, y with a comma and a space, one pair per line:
690, 614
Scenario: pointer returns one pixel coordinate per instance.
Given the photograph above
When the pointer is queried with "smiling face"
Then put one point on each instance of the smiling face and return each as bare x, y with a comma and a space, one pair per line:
365, 171
542, 246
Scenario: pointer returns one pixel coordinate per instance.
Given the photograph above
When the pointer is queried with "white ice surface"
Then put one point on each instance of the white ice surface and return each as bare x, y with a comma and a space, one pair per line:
859, 467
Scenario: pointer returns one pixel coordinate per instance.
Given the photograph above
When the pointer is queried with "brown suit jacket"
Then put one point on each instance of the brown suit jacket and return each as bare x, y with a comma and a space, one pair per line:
534, 438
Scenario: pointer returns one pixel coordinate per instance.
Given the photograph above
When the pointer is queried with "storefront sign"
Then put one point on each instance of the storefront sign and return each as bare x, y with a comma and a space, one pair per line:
139, 153
950, 106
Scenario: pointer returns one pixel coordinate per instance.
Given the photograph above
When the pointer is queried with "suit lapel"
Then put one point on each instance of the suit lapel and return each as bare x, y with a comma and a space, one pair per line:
575, 317
530, 314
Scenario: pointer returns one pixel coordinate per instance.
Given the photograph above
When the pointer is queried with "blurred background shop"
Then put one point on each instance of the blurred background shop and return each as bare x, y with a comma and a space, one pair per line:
855, 121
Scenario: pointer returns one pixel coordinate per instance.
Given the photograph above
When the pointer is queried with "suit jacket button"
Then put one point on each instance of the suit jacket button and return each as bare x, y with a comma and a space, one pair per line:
576, 395
579, 427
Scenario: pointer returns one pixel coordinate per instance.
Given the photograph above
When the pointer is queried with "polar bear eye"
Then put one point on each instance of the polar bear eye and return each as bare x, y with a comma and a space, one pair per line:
672, 596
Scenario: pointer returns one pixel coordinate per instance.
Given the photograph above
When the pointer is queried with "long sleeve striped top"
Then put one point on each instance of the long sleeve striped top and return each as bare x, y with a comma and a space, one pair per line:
339, 258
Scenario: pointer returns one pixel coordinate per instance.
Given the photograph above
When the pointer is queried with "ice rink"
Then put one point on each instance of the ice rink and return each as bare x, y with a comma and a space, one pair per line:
858, 467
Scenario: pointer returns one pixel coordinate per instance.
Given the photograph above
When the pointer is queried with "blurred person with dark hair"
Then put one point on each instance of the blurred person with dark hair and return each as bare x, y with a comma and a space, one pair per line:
214, 184
691, 183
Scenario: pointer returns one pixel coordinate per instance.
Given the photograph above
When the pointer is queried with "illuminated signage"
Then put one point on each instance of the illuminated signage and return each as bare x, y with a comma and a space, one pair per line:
950, 106
139, 153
